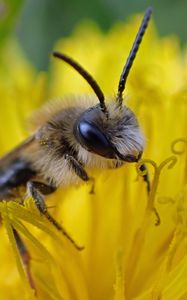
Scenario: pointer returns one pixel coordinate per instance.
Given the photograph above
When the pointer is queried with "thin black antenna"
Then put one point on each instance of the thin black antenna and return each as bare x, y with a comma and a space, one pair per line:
87, 77
132, 55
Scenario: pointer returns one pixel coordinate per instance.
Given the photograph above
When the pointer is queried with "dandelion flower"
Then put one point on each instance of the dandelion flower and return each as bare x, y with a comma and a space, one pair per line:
126, 256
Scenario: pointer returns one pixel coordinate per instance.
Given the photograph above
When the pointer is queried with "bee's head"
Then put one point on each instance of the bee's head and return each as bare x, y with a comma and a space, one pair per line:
110, 131
116, 137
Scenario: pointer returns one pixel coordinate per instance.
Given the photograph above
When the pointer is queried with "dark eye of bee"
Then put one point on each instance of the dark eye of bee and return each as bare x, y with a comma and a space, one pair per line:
93, 139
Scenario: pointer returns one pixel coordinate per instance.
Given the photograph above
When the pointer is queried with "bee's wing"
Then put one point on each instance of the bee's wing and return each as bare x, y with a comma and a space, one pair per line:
17, 152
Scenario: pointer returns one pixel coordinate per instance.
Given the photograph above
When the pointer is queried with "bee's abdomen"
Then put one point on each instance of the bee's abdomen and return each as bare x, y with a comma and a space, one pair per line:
15, 174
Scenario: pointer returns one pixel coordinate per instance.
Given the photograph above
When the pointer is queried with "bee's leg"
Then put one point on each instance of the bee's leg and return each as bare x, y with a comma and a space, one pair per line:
79, 170
25, 257
77, 167
146, 178
37, 190
92, 190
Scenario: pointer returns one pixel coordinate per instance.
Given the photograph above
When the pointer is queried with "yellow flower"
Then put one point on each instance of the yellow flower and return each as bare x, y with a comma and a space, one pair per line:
126, 256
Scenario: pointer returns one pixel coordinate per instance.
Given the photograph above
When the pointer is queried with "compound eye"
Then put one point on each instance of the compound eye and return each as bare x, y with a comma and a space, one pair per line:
94, 140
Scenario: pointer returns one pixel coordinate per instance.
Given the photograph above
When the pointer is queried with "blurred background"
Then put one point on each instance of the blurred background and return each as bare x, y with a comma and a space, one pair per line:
39, 23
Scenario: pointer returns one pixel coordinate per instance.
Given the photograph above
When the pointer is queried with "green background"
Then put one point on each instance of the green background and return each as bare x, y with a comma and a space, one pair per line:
39, 23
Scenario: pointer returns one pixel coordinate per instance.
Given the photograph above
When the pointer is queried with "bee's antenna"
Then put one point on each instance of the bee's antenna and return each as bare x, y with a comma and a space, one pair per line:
91, 81
132, 55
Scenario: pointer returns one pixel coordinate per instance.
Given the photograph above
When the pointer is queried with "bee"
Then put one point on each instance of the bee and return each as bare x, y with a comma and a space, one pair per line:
72, 135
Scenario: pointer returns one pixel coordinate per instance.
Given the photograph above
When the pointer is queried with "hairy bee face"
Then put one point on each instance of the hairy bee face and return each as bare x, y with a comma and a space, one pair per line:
109, 130
116, 137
